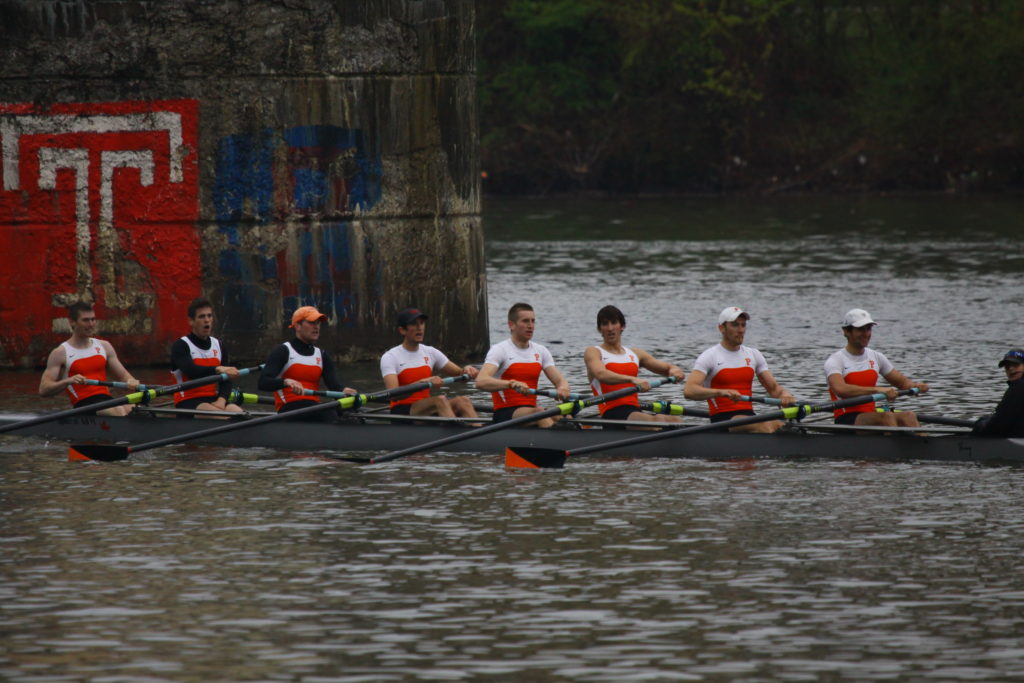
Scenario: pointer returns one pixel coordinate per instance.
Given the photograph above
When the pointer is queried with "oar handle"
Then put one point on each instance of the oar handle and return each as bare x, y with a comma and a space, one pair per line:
340, 394
120, 385
551, 393
767, 400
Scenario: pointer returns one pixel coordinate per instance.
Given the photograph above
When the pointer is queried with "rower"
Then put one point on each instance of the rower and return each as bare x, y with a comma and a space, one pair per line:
612, 366
1008, 420
413, 361
724, 373
82, 358
298, 365
854, 371
512, 369
199, 354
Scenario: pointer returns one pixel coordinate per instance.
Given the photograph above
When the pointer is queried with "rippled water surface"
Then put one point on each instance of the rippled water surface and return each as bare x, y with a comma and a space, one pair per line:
195, 564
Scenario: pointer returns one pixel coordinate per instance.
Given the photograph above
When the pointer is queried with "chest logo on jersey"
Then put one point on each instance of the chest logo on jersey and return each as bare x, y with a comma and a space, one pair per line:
318, 361
426, 360
98, 349
748, 360
871, 364
632, 358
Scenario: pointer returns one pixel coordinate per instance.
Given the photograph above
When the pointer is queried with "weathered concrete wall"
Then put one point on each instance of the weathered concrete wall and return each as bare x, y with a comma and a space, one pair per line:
268, 154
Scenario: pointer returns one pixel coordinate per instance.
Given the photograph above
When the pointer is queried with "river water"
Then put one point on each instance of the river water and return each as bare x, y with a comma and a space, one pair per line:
196, 564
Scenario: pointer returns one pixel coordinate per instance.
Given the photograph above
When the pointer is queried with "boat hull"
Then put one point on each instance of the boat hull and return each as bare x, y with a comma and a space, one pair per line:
357, 437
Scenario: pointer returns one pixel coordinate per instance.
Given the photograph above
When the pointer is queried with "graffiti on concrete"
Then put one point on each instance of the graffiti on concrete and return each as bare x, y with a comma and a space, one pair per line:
284, 200
99, 202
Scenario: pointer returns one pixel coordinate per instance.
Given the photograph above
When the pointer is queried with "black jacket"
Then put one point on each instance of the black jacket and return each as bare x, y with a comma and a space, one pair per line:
1008, 420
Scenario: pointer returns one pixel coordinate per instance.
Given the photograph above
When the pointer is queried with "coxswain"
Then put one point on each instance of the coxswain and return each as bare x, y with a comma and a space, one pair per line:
512, 369
855, 369
82, 358
298, 364
612, 366
199, 354
1008, 420
724, 373
413, 361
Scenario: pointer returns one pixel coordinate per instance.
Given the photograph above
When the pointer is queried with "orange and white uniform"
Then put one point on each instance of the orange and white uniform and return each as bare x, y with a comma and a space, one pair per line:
306, 370
411, 367
89, 362
624, 363
863, 370
209, 358
725, 369
523, 365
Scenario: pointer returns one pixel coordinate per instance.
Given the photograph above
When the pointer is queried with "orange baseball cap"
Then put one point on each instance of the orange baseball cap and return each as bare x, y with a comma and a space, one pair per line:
306, 313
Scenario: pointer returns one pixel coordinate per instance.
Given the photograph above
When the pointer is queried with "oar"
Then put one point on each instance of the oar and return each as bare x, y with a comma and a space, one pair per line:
938, 419
670, 408
530, 456
568, 408
340, 394
551, 393
239, 398
112, 452
767, 400
121, 385
137, 397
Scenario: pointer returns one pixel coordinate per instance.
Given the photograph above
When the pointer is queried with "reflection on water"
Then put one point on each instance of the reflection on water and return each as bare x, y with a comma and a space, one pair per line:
192, 564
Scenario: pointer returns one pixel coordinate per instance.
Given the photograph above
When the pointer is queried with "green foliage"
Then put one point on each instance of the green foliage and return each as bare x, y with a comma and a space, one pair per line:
768, 95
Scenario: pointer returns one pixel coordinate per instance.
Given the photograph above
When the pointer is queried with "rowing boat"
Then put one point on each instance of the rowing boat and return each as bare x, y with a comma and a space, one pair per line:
366, 432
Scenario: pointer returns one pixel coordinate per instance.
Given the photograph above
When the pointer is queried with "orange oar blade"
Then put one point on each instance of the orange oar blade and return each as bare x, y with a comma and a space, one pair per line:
95, 451
534, 458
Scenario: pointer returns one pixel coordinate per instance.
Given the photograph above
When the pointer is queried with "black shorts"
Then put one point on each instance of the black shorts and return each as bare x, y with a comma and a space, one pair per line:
322, 415
847, 419
90, 400
505, 414
620, 412
722, 417
402, 409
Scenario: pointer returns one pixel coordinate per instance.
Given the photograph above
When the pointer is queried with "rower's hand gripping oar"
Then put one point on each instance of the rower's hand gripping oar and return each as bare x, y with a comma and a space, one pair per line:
533, 457
112, 452
568, 408
134, 398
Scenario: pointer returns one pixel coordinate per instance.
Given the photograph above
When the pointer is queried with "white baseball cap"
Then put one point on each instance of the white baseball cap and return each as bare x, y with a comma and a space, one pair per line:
731, 313
857, 317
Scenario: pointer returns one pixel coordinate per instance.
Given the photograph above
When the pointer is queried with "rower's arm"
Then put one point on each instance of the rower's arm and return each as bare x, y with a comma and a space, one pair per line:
49, 384
596, 369
269, 380
391, 381
657, 366
844, 389
116, 369
901, 381
453, 370
486, 381
555, 377
774, 389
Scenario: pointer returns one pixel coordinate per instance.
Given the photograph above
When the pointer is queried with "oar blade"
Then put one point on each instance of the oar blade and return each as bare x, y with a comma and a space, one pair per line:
530, 457
78, 452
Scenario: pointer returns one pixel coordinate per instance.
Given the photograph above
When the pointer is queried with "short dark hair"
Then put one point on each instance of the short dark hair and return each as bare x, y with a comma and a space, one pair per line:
610, 314
196, 304
513, 313
76, 309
